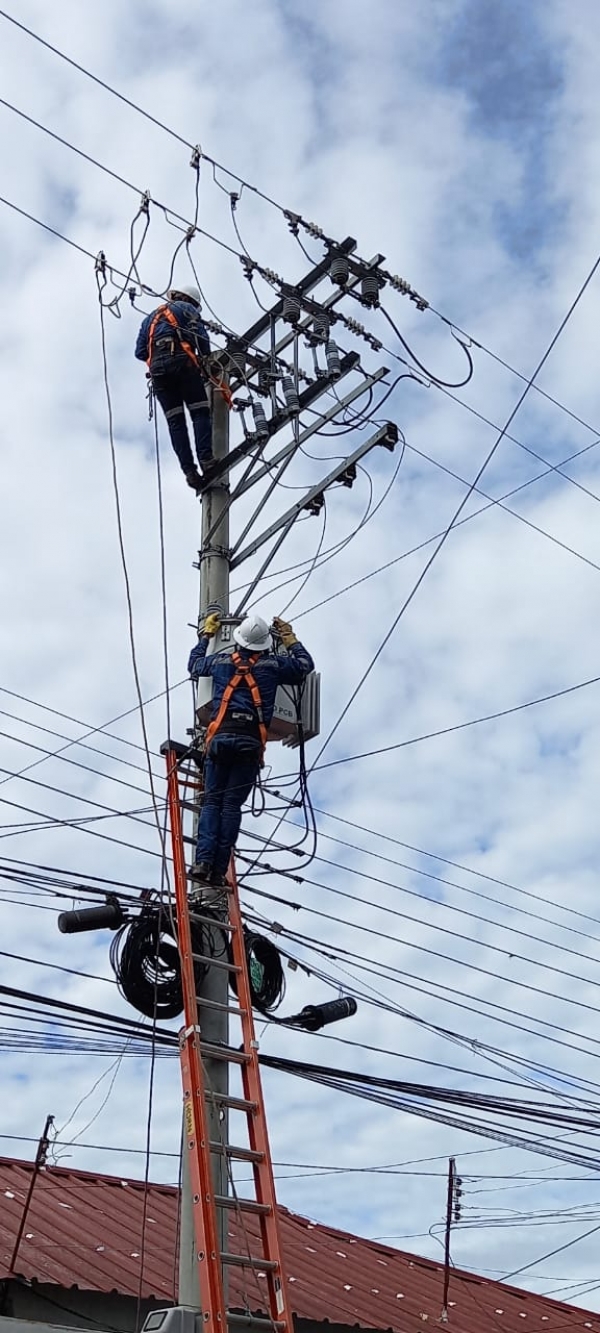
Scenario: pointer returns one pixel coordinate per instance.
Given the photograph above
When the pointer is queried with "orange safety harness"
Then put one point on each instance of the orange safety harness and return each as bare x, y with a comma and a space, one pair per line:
165, 312
243, 673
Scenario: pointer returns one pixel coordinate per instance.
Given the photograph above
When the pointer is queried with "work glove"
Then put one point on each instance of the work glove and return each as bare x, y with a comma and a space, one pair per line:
285, 632
212, 624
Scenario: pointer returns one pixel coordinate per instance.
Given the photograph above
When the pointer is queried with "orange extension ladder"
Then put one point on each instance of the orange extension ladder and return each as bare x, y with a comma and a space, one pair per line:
264, 1254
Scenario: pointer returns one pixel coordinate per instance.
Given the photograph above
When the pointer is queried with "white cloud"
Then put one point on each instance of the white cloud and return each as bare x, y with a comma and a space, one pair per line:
369, 130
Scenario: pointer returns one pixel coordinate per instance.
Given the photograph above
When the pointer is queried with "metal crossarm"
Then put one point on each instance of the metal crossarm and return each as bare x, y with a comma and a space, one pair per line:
387, 436
260, 1247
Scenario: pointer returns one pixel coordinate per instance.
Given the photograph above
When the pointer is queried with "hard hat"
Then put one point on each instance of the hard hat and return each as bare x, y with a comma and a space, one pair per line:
192, 293
253, 633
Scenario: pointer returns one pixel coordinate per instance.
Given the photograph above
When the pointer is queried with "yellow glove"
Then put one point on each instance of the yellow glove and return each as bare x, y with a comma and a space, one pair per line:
285, 632
212, 624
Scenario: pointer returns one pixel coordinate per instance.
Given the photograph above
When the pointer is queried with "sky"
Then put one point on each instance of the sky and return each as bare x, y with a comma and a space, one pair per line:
459, 140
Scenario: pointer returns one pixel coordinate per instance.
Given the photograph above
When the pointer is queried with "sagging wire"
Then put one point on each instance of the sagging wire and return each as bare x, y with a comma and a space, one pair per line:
313, 565
100, 273
435, 379
143, 211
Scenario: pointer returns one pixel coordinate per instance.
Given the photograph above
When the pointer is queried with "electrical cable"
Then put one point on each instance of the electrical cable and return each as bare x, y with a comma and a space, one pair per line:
435, 379
422, 545
458, 865
457, 726
451, 907
457, 512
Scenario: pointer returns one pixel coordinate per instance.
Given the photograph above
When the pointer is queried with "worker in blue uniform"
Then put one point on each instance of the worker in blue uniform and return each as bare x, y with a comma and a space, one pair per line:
245, 683
173, 342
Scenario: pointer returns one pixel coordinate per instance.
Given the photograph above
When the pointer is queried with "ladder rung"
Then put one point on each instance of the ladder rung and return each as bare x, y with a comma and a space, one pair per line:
249, 1261
192, 806
235, 1103
249, 1323
221, 1008
210, 921
239, 1154
245, 1205
215, 962
229, 1053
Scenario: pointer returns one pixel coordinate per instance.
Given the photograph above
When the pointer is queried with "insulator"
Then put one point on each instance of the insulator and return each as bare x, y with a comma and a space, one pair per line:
369, 288
260, 420
339, 270
291, 309
108, 917
332, 356
321, 327
315, 1016
237, 361
290, 393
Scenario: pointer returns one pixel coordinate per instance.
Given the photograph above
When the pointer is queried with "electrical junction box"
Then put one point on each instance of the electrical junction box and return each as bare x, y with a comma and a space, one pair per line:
283, 726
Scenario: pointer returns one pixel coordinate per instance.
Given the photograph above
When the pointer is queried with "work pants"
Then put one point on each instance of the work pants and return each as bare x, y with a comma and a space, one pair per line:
179, 386
230, 771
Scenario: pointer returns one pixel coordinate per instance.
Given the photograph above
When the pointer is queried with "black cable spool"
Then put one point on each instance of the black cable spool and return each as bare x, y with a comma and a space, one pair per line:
265, 973
145, 960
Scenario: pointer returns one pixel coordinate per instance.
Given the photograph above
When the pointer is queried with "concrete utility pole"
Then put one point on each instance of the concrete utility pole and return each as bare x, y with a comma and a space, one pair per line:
214, 587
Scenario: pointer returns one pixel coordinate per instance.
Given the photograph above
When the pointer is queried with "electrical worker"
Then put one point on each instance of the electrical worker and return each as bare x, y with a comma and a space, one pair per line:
244, 687
173, 342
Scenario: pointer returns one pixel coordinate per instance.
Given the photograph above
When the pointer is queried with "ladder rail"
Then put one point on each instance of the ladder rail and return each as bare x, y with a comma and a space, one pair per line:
264, 1181
196, 1126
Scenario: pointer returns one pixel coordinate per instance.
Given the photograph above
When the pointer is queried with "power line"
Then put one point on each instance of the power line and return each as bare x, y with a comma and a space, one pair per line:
448, 906
408, 599
428, 541
458, 865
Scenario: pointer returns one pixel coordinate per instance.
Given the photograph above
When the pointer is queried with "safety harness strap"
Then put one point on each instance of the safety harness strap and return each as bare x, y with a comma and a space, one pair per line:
165, 312
243, 673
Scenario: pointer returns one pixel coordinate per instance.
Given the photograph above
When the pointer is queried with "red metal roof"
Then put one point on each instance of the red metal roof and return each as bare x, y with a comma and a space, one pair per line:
85, 1230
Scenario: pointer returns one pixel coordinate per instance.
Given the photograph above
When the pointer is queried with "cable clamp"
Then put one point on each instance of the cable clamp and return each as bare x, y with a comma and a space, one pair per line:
196, 157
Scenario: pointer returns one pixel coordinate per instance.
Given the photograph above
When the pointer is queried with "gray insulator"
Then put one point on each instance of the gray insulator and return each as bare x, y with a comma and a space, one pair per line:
237, 361
321, 327
290, 393
369, 289
332, 355
291, 309
260, 420
339, 271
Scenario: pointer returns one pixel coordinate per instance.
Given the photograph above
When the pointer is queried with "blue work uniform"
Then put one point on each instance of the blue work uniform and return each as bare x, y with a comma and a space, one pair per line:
233, 760
177, 379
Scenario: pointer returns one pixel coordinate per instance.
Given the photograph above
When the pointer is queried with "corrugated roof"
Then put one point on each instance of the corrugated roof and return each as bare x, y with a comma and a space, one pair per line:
85, 1230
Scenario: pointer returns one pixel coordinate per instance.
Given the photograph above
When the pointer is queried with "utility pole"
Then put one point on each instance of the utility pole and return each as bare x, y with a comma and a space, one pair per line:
261, 372
452, 1214
214, 587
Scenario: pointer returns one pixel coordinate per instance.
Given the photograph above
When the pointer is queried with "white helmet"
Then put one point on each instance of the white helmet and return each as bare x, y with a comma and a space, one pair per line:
191, 293
253, 633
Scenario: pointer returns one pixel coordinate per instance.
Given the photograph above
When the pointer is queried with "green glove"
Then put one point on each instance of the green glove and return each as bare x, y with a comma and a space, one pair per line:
212, 624
285, 632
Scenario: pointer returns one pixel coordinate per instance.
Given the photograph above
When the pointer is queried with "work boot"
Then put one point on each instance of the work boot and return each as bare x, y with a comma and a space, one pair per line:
208, 471
201, 873
218, 881
194, 480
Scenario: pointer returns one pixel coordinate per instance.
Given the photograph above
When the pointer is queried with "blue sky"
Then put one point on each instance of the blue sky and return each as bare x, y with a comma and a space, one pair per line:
460, 142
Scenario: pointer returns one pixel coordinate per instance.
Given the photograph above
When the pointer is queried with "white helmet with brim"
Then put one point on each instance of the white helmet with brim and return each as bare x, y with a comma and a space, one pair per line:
188, 293
253, 634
